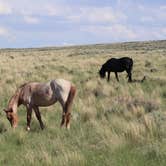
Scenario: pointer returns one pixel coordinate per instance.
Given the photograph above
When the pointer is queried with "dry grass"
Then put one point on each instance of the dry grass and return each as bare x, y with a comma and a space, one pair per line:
112, 123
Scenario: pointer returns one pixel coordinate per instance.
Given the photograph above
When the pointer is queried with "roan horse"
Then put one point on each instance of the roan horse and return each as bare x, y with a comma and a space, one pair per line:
34, 95
117, 65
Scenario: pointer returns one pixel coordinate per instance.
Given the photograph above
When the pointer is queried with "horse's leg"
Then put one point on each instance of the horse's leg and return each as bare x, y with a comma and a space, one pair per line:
108, 77
68, 105
129, 76
63, 116
116, 74
61, 101
29, 114
38, 116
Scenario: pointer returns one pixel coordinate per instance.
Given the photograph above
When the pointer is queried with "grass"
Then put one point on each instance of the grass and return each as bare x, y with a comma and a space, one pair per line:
112, 123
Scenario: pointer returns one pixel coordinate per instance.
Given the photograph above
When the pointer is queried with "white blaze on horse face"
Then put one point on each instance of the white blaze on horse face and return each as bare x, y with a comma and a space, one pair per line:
64, 88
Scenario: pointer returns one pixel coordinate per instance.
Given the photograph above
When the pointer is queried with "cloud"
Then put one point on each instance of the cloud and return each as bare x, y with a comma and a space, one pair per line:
97, 15
74, 13
31, 20
163, 7
147, 19
58, 9
3, 32
115, 32
104, 21
141, 7
152, 13
5, 8
7, 34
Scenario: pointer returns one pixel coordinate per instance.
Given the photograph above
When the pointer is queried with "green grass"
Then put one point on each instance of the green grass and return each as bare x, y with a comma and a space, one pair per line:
112, 123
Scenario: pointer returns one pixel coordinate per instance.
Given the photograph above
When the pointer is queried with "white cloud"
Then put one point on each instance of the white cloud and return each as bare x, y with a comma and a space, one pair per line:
31, 20
118, 33
147, 19
152, 14
141, 7
67, 44
115, 32
97, 15
6, 33
37, 7
163, 7
163, 31
52, 10
3, 31
5, 8
68, 12
58, 10
106, 23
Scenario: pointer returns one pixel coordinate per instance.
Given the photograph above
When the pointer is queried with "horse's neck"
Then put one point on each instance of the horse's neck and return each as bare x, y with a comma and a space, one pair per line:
14, 101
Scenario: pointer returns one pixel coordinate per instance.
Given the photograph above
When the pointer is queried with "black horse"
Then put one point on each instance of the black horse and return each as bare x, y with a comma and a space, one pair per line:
117, 65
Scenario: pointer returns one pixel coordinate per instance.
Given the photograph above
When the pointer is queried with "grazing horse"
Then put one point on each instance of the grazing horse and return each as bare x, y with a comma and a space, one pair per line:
117, 65
34, 95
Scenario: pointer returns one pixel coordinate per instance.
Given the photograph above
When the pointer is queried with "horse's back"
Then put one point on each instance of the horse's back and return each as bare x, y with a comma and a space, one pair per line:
119, 64
45, 94
126, 60
41, 94
114, 65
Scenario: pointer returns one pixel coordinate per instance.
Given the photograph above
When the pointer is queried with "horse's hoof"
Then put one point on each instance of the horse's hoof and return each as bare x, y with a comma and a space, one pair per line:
42, 127
28, 128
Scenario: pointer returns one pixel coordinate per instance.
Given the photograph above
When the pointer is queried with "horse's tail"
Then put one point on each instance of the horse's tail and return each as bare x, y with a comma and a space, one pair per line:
68, 105
70, 98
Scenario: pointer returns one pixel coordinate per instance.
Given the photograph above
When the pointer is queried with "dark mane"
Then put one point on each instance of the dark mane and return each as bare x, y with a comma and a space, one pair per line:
15, 97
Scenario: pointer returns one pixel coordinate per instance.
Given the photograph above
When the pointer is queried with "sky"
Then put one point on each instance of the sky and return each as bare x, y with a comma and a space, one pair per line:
42, 23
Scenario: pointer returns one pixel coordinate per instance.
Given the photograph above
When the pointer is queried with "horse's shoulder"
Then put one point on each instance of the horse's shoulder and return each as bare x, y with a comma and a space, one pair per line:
29, 88
109, 60
112, 60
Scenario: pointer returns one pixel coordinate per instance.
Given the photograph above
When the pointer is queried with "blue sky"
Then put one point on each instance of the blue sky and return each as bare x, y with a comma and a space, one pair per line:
38, 23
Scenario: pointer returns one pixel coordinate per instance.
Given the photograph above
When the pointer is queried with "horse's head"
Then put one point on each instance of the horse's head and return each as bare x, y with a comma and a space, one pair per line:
102, 72
11, 116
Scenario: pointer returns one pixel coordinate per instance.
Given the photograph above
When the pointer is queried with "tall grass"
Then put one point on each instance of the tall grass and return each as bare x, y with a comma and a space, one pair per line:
113, 123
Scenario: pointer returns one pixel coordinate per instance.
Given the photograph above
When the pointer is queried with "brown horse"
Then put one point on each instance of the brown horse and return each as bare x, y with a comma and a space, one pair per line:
34, 95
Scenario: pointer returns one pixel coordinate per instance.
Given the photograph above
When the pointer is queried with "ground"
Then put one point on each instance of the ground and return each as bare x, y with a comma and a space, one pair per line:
115, 123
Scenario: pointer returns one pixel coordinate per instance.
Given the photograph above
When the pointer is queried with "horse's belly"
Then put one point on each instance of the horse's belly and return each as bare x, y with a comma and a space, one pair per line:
44, 97
120, 70
44, 101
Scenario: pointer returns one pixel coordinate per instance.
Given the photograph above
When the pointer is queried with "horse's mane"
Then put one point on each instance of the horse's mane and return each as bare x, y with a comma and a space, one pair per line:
21, 86
16, 94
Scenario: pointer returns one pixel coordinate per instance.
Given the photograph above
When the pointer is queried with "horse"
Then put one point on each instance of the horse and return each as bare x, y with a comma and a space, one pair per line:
117, 65
34, 95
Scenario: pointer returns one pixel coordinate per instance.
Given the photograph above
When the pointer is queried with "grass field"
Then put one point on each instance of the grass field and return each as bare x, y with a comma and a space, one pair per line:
113, 124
